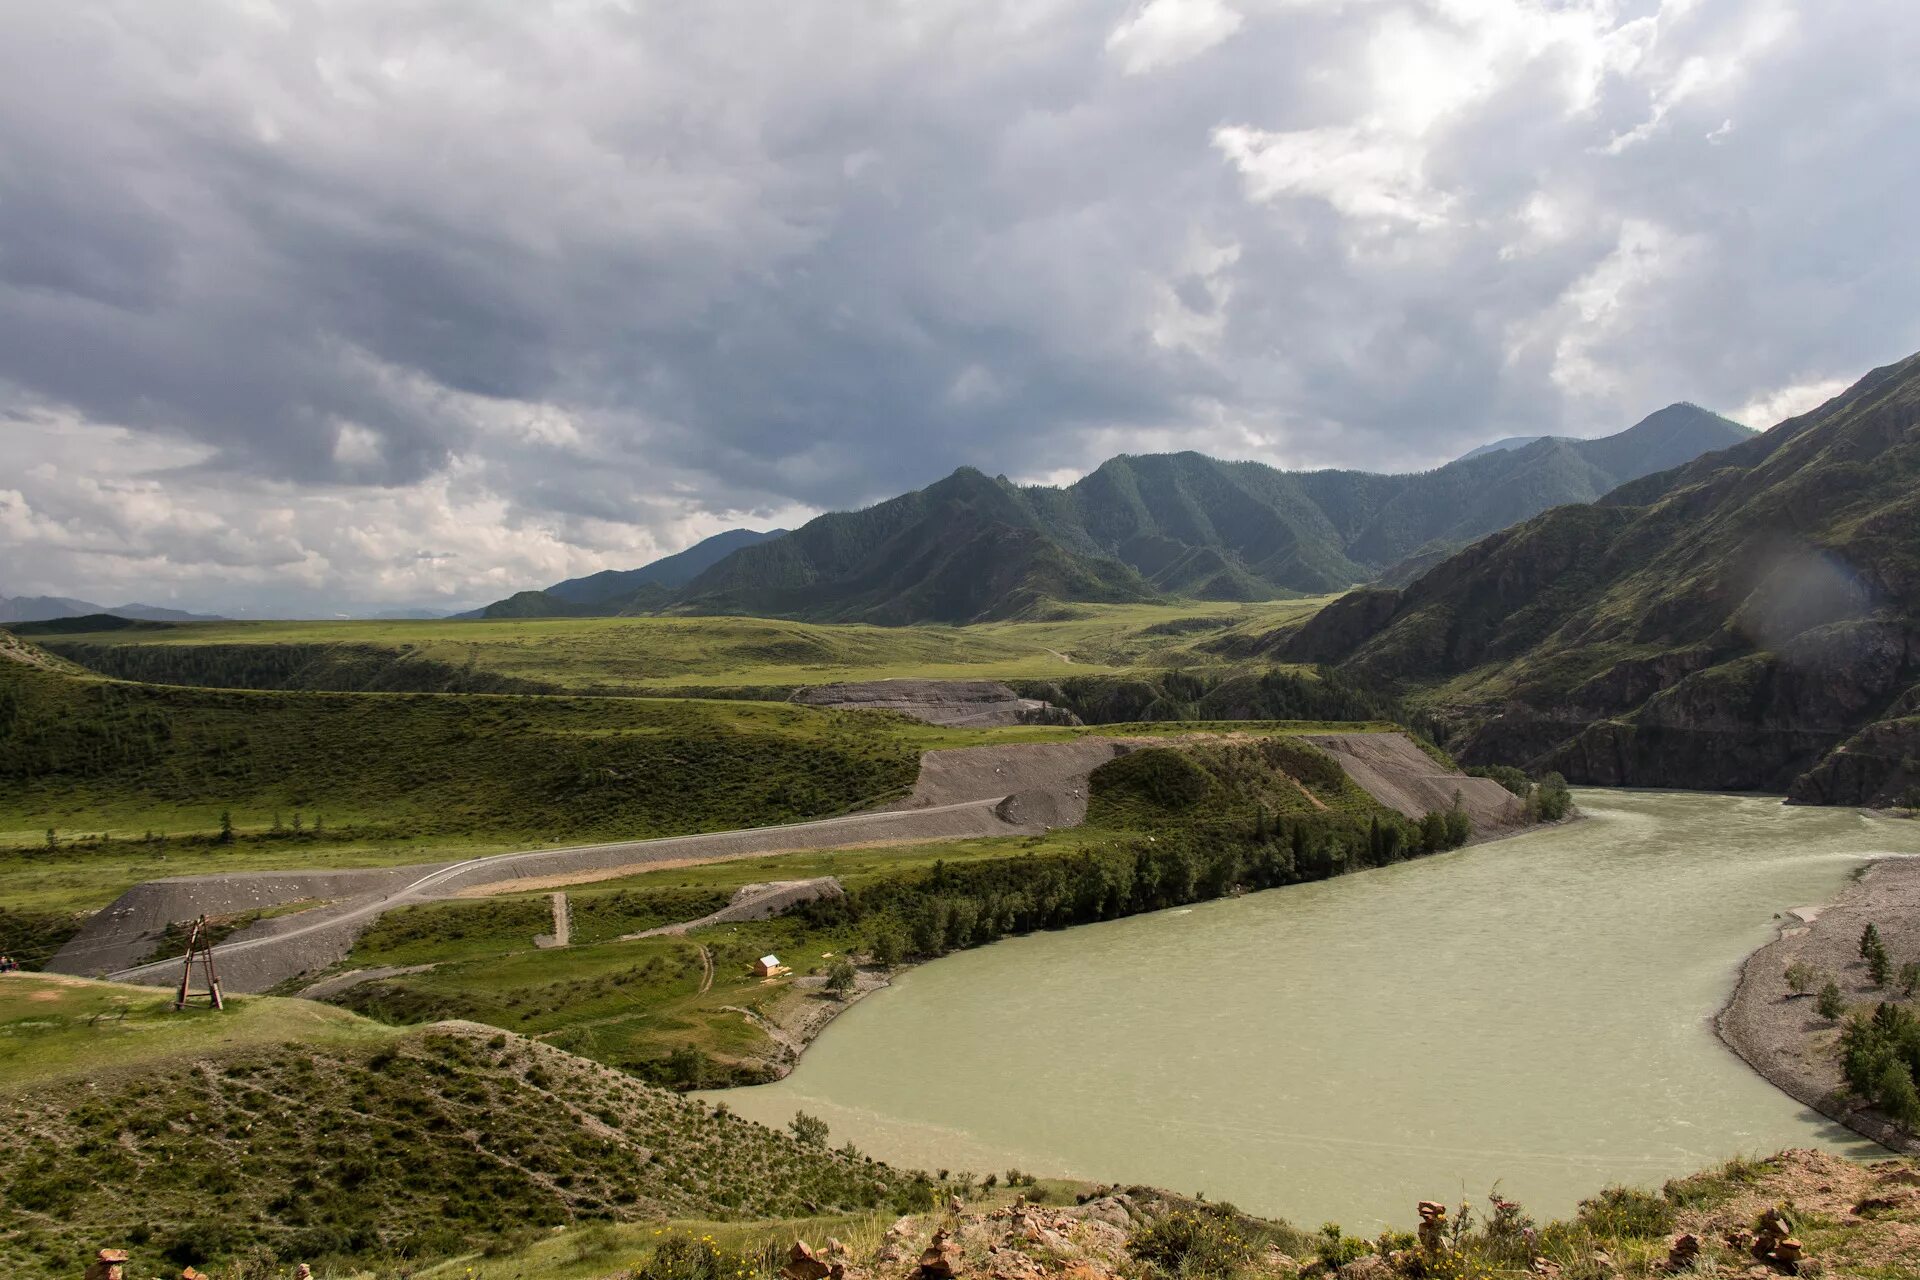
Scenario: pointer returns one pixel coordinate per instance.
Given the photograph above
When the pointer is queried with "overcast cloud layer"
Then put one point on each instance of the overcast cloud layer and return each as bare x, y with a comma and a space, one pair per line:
308, 306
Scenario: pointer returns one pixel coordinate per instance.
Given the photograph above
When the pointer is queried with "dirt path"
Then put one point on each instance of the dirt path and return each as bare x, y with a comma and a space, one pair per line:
706, 969
751, 902
354, 977
562, 924
1781, 1034
249, 963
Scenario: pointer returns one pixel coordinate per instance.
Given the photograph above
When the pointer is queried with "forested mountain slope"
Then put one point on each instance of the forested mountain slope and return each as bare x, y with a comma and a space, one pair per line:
973, 547
1750, 620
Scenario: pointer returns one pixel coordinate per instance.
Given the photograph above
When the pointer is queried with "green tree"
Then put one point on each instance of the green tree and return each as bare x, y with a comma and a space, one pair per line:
889, 946
53, 838
1800, 976
226, 827
1880, 965
1831, 1005
1555, 798
685, 1067
840, 977
1910, 978
808, 1131
1869, 940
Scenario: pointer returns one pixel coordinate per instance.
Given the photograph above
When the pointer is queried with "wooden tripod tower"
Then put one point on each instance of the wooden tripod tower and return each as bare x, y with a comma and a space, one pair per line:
201, 948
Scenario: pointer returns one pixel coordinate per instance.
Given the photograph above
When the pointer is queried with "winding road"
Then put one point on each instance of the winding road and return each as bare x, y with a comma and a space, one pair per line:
276, 950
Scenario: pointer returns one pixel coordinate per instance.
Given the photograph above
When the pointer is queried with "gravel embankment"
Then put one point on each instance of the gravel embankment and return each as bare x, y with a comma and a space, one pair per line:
1781, 1034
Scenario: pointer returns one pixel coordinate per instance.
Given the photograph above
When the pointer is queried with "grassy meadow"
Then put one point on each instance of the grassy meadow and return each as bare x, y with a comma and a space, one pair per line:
664, 654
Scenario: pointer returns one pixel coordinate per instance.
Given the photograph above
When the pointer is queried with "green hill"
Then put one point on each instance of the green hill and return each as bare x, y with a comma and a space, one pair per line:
132, 779
295, 1128
1732, 623
613, 592
973, 548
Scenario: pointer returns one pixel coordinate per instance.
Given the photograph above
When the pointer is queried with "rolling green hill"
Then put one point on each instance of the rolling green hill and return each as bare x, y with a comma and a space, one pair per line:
1750, 620
292, 1127
105, 783
763, 657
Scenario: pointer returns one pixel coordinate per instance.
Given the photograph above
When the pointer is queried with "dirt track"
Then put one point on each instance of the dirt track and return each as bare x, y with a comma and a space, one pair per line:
1019, 789
962, 793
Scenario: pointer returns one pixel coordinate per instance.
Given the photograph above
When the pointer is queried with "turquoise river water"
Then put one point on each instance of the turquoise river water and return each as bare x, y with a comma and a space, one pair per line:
1534, 1012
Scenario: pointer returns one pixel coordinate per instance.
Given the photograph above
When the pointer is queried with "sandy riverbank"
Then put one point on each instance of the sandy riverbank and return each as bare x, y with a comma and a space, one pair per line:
1781, 1034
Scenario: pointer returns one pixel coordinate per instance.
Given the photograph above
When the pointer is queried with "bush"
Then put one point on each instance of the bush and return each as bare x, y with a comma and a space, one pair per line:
808, 1130
1337, 1250
1514, 780
1554, 800
1194, 1242
681, 1256
1800, 977
840, 977
1831, 1005
1627, 1212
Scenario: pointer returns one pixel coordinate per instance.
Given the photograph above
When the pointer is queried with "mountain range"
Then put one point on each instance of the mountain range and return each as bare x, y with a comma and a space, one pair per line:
973, 547
613, 592
45, 608
1747, 621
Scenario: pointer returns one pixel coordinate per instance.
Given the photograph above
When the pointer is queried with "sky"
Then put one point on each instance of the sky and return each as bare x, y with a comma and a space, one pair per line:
373, 304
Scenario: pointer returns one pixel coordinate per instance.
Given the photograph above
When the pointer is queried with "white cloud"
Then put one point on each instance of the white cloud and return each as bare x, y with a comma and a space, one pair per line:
380, 306
1364, 172
1781, 403
1163, 33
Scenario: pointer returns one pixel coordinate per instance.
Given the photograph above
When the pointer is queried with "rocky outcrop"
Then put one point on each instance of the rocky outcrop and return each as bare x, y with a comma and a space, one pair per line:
1878, 766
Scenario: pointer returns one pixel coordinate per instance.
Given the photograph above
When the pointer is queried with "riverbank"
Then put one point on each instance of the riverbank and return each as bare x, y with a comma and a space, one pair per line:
1780, 1033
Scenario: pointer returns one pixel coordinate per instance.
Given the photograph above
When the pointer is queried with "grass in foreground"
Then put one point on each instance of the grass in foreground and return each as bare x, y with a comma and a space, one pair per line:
384, 1151
55, 1028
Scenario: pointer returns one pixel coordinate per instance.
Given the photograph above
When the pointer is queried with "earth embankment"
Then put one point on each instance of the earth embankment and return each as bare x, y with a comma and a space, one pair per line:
973, 703
1396, 772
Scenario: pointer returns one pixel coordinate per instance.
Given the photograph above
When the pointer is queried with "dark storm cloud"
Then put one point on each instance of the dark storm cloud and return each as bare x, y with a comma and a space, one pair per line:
558, 285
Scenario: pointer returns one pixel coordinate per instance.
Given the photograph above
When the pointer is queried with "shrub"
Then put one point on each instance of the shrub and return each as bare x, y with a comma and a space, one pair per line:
1800, 977
1627, 1212
682, 1256
808, 1130
1910, 978
1514, 780
1831, 1005
1205, 1241
1337, 1250
1554, 799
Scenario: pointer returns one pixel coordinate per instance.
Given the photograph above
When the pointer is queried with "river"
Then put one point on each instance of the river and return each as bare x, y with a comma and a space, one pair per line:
1533, 1012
